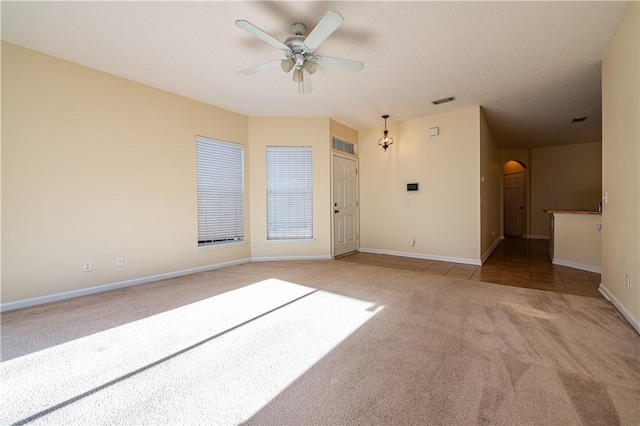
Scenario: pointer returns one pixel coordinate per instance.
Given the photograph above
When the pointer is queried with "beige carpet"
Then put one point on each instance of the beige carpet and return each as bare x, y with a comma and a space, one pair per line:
320, 342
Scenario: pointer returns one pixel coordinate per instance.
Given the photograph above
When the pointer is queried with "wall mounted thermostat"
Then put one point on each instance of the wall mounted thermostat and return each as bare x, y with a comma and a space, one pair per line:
412, 187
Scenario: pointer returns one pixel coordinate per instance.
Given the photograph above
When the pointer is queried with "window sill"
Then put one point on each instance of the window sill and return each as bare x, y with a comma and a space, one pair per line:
301, 240
221, 246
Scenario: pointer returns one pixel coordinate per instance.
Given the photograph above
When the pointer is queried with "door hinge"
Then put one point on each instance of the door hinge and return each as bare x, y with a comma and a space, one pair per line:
356, 170
356, 204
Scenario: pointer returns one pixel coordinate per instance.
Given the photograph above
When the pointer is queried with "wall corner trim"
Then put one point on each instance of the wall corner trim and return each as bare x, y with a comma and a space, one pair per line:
493, 246
620, 307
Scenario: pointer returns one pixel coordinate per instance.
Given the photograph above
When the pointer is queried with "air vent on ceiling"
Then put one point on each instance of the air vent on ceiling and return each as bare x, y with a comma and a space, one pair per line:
578, 120
444, 100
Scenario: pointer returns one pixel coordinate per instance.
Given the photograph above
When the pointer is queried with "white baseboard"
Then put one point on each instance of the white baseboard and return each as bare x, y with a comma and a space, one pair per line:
575, 265
113, 286
493, 246
423, 256
25, 303
620, 307
283, 258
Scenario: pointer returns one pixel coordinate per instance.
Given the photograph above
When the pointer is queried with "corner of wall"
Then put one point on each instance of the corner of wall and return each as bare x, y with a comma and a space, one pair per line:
621, 167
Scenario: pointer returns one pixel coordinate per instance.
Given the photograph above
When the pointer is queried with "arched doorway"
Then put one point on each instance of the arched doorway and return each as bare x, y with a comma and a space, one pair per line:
515, 188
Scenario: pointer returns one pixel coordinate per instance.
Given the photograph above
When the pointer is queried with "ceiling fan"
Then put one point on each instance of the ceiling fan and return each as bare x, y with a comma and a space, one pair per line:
299, 50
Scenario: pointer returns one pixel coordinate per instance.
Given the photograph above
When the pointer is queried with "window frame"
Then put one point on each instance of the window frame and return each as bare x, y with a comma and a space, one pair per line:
230, 217
278, 228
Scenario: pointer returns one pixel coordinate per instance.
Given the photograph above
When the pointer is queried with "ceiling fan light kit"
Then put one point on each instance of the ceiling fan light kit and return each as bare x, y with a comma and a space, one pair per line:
300, 50
287, 64
310, 66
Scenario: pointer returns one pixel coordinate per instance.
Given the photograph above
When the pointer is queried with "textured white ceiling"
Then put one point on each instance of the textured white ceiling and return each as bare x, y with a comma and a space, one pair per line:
533, 66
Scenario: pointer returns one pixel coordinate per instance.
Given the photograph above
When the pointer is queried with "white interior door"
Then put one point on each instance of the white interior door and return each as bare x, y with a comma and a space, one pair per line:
345, 205
514, 204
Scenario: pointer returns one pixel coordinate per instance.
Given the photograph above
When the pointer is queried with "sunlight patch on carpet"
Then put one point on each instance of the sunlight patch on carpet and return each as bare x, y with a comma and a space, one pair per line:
236, 351
528, 310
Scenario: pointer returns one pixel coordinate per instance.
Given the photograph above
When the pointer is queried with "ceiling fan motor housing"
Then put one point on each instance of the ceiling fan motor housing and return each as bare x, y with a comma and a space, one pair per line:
299, 52
298, 29
297, 46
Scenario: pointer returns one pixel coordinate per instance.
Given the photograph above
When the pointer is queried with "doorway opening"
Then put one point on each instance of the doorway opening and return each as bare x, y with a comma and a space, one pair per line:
514, 190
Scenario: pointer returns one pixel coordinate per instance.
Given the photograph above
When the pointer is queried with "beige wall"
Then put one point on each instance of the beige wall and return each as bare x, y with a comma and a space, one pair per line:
576, 241
566, 177
95, 167
343, 132
490, 188
621, 166
313, 132
444, 214
1, 174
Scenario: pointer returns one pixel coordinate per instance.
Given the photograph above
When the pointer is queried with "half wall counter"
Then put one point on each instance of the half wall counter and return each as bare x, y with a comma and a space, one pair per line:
575, 238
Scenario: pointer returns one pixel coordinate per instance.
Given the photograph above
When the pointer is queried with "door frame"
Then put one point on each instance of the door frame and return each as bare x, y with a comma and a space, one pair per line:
526, 195
335, 154
522, 209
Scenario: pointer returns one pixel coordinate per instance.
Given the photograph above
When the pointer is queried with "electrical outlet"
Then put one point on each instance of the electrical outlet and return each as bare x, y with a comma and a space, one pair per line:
412, 241
86, 266
628, 281
119, 261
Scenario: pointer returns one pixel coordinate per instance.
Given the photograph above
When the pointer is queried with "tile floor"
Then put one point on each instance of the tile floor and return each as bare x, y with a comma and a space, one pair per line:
515, 262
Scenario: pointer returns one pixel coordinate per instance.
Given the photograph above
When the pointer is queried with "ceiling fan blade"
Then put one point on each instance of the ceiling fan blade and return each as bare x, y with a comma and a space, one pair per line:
262, 35
262, 67
327, 25
338, 63
306, 82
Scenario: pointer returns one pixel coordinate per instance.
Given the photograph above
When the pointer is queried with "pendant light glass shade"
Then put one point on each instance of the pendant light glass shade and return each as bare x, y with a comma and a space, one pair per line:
385, 141
297, 76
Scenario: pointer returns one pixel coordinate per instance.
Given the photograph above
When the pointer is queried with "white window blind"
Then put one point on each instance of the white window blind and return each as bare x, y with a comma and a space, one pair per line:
220, 171
289, 193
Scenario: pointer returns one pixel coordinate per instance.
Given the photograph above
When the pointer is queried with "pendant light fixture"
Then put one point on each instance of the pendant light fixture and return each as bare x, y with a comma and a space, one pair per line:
385, 141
